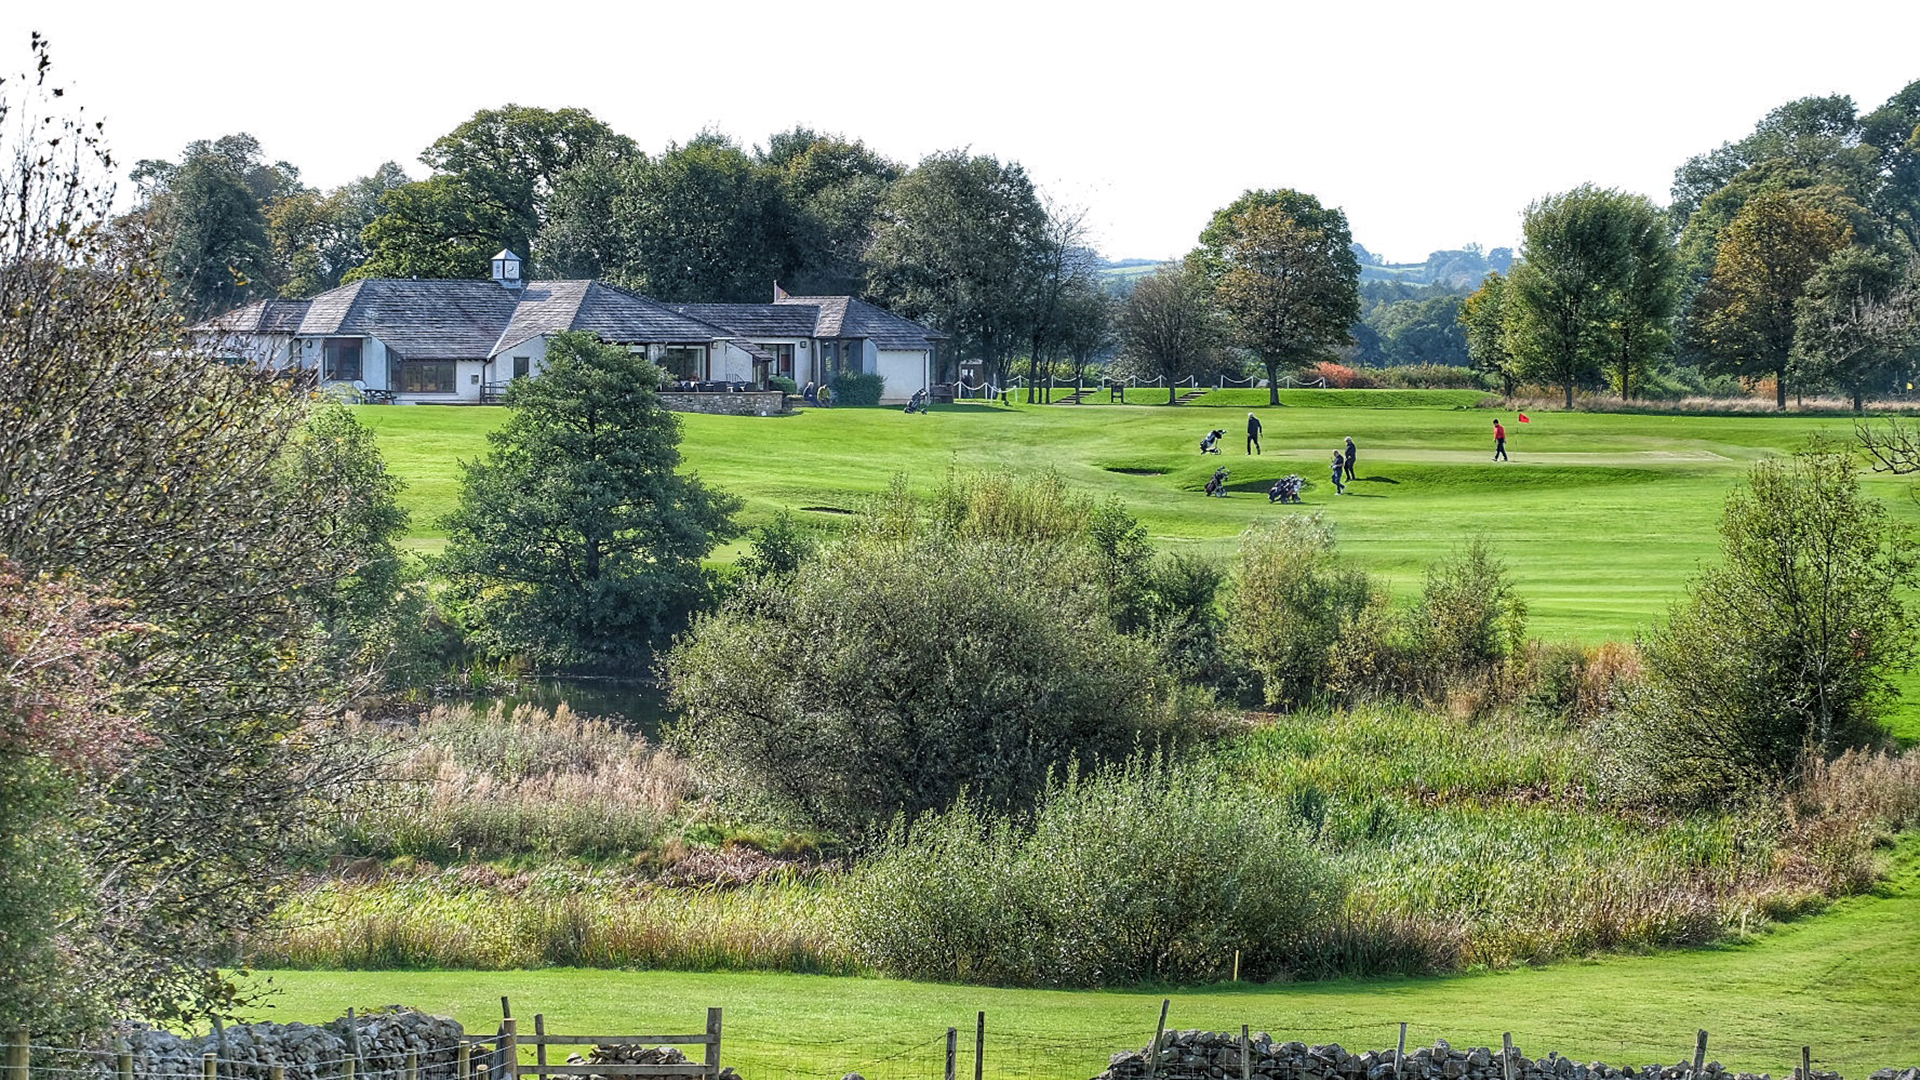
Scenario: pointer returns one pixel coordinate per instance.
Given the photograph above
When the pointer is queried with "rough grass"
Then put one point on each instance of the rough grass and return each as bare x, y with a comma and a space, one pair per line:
1848, 984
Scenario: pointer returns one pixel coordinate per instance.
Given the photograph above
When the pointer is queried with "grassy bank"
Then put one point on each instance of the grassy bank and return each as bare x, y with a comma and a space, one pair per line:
1848, 984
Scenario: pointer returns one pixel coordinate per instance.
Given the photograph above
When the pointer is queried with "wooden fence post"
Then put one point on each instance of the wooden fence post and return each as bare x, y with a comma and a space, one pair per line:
124, 1064
209, 1066
1400, 1054
713, 1042
1506, 1055
509, 1047
1700, 1052
18, 1055
274, 1072
980, 1045
1153, 1048
353, 1044
347, 1070
1246, 1054
1806, 1063
462, 1061
953, 1050
540, 1043
413, 1065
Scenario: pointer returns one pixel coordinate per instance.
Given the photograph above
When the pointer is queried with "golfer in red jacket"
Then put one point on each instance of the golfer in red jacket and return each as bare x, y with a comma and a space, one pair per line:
1499, 442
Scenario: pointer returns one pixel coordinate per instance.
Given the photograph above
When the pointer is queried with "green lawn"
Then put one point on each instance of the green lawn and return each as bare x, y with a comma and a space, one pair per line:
1602, 518
1847, 983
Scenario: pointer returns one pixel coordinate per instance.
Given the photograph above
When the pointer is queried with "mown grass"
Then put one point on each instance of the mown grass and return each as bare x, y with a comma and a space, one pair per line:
1847, 983
1602, 517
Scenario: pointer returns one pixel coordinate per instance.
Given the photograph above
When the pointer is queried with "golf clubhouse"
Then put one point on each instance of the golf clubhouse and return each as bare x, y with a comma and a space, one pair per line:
410, 341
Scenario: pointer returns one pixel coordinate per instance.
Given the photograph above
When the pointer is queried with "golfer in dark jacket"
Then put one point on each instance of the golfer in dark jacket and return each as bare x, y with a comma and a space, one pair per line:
1253, 434
1352, 455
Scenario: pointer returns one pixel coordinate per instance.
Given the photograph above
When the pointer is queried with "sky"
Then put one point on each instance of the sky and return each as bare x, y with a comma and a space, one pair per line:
1431, 124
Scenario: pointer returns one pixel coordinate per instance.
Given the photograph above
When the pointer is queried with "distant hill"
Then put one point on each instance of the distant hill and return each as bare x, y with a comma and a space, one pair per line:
1462, 268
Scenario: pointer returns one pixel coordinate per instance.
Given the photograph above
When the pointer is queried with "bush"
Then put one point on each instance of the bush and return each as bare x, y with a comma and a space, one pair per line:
1434, 377
857, 390
1289, 602
919, 657
1143, 872
1785, 649
783, 384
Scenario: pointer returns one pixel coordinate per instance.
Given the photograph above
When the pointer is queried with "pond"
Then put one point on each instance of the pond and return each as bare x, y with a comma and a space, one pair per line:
636, 705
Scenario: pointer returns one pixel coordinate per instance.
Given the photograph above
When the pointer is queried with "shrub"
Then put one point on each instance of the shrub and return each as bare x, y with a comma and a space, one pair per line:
857, 389
1338, 376
1786, 648
1143, 872
1289, 601
1436, 377
783, 384
917, 658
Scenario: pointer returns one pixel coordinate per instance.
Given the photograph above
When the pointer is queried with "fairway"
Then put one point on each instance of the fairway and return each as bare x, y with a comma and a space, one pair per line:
1602, 517
1846, 982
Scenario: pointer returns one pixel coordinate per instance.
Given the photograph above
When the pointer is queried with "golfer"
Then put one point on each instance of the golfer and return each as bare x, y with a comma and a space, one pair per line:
1499, 442
1339, 465
1352, 456
1253, 434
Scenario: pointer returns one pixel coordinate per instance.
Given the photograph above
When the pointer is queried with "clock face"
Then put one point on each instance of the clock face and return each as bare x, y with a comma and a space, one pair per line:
509, 268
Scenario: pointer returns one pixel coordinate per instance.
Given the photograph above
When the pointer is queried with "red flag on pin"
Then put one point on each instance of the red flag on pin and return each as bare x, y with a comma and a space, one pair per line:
1524, 420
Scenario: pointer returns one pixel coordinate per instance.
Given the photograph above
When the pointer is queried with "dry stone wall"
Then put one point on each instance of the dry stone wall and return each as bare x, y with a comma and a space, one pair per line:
307, 1051
1208, 1055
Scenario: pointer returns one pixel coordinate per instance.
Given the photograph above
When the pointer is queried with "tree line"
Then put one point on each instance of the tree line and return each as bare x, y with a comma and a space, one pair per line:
962, 241
1791, 255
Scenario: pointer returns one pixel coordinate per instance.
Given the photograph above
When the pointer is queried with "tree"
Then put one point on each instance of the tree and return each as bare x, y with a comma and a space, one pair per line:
1593, 288
1637, 322
1784, 650
1285, 275
832, 188
1483, 318
700, 223
492, 178
1168, 324
155, 491
1425, 331
1854, 326
959, 243
575, 540
1743, 321
317, 238
1089, 328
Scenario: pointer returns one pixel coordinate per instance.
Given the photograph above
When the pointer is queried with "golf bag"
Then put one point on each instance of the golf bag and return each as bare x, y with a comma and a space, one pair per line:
1211, 444
1218, 484
1286, 489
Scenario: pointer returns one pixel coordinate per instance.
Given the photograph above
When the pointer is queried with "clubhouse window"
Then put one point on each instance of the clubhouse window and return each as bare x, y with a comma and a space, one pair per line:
341, 359
687, 363
427, 377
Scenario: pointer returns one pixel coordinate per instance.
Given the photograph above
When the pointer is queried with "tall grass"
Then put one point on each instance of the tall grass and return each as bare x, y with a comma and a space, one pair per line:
461, 784
468, 919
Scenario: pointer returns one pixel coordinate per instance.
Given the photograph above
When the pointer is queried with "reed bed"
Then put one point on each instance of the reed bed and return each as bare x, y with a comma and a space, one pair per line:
461, 784
448, 919
1458, 843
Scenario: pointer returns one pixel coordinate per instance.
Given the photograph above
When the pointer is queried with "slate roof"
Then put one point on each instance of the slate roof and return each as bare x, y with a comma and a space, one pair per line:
473, 320
421, 320
607, 311
819, 317
757, 320
260, 317
849, 317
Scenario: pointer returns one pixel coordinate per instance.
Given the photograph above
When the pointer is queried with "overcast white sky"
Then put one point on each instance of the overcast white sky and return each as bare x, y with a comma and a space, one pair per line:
1431, 124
